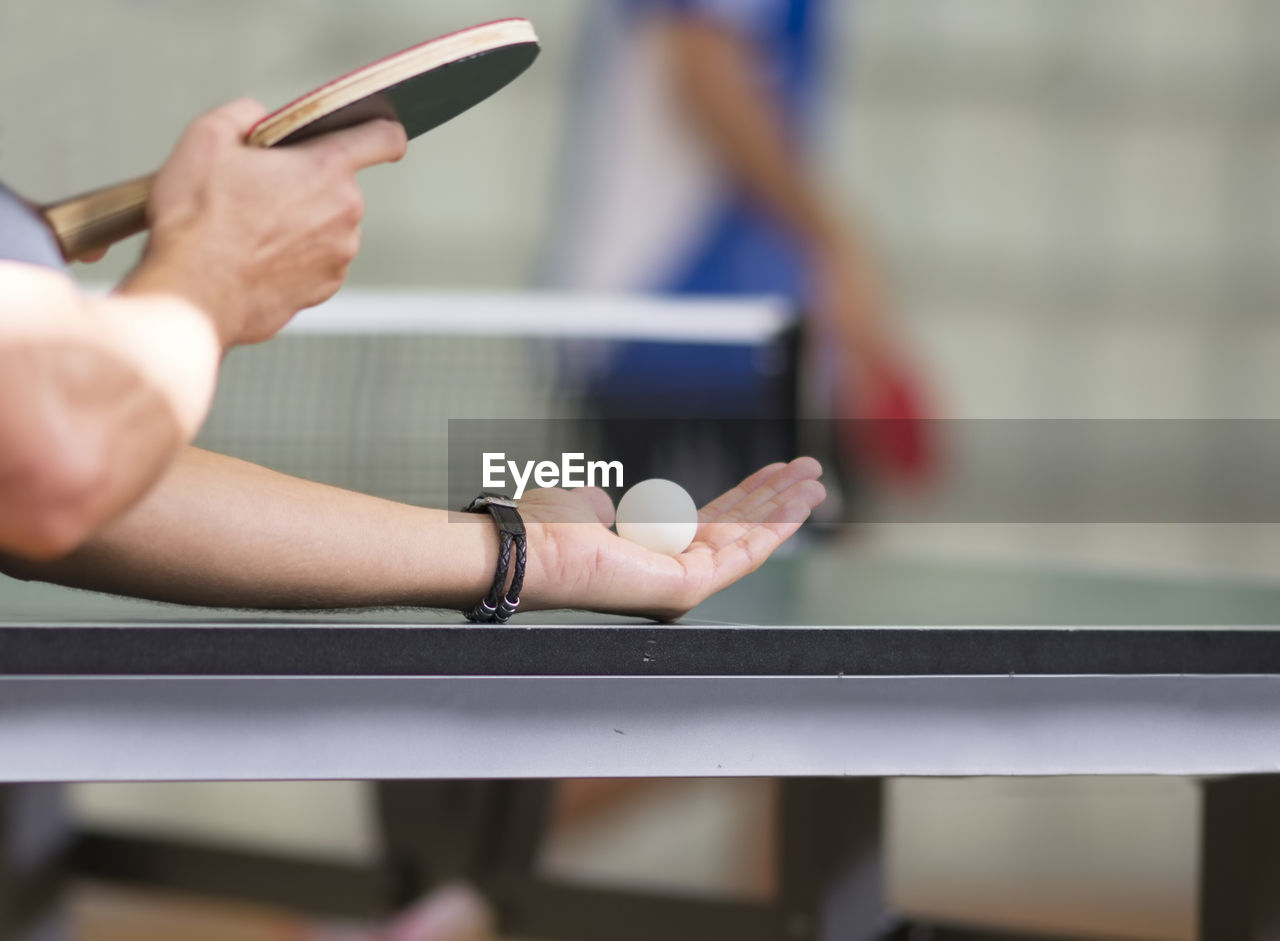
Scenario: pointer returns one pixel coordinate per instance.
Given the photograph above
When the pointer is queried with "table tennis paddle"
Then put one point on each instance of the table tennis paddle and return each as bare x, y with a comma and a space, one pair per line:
889, 428
421, 87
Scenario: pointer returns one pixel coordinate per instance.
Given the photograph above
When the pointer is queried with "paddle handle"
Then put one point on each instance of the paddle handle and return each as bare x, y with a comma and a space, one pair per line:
90, 222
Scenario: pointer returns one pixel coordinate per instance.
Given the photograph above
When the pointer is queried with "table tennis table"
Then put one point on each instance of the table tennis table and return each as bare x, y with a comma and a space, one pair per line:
829, 670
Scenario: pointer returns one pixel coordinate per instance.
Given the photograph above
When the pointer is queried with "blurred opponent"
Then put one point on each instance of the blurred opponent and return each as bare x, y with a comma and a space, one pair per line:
690, 173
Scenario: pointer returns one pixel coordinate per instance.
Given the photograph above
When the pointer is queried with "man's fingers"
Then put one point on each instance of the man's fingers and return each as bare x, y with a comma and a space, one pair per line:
762, 539
754, 543
365, 145
767, 493
808, 467
759, 488
729, 517
731, 498
241, 114
805, 492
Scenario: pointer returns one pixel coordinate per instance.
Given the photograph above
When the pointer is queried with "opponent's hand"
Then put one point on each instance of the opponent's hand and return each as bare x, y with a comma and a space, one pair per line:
576, 562
881, 401
253, 235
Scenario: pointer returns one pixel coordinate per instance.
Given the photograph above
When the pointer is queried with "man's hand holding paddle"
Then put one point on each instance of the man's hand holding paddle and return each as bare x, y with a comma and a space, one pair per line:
254, 217
252, 235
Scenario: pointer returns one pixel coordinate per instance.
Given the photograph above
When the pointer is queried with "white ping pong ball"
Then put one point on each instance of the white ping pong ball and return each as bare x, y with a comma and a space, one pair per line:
659, 515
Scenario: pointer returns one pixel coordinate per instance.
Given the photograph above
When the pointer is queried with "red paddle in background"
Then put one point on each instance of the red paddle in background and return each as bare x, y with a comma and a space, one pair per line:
889, 427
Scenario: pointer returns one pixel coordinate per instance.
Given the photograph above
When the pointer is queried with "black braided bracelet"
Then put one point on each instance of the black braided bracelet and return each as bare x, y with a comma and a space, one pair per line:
497, 607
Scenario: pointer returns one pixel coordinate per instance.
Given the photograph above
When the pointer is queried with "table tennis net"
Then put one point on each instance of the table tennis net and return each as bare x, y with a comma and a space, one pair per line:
359, 393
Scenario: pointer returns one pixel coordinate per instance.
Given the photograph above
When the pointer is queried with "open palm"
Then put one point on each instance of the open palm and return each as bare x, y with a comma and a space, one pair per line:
575, 561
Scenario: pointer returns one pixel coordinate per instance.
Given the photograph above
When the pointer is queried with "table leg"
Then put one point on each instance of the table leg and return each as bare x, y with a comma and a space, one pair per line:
830, 868
1240, 859
35, 843
483, 832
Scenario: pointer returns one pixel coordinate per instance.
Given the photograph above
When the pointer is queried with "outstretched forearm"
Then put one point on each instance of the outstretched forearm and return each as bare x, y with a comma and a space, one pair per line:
225, 533
222, 532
